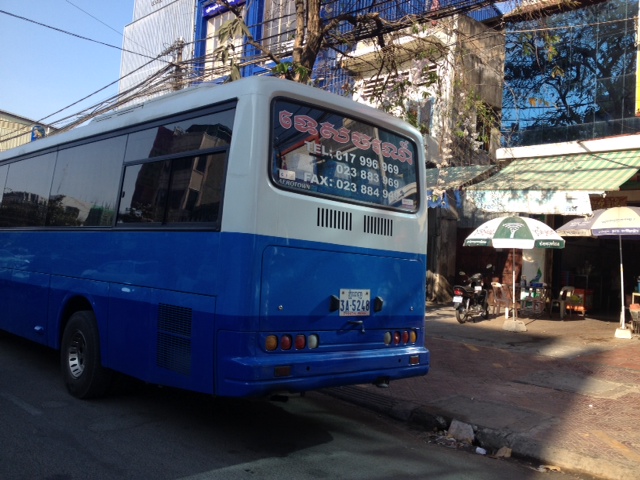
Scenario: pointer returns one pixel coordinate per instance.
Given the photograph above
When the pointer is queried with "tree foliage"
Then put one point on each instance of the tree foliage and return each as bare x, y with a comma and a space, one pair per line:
406, 58
570, 76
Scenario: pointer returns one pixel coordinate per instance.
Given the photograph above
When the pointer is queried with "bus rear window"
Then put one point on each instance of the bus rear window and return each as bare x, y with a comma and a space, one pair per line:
328, 154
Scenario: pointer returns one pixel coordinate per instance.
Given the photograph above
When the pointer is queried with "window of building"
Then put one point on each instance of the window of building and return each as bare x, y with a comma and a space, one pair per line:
279, 25
215, 65
571, 75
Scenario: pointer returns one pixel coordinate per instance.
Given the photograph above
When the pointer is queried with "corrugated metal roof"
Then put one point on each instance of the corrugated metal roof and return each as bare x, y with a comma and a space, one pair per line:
603, 171
13, 134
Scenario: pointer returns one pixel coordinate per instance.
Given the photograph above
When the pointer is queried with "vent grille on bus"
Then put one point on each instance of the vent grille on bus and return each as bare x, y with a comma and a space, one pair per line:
329, 218
174, 338
378, 226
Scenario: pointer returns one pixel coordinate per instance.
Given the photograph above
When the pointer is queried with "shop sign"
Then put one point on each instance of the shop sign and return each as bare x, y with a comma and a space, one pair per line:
216, 8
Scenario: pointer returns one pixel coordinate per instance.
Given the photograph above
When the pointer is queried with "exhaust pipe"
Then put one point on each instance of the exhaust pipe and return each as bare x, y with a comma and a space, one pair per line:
382, 382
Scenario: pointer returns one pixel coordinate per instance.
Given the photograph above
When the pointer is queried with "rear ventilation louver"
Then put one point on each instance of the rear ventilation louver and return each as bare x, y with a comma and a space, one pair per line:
174, 338
329, 218
378, 226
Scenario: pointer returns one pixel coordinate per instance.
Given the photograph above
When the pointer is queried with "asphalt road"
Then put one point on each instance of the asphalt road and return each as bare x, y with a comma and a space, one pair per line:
142, 432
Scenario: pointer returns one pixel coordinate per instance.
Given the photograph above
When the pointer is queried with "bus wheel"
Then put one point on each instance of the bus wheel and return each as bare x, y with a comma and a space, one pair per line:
84, 375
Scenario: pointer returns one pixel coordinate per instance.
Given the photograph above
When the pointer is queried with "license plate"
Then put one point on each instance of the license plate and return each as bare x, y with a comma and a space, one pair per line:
457, 299
355, 302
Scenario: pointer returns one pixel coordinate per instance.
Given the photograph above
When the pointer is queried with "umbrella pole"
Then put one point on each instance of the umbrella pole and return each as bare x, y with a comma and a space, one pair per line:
622, 326
514, 325
513, 282
622, 331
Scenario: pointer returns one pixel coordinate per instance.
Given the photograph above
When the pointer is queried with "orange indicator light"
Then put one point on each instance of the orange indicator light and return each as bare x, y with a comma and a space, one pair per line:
271, 343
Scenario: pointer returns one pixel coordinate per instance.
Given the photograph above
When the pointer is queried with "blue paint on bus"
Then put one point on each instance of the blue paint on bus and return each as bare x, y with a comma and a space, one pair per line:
209, 260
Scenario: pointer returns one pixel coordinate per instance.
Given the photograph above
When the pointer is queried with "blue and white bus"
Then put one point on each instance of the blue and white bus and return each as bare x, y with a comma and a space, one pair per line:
247, 239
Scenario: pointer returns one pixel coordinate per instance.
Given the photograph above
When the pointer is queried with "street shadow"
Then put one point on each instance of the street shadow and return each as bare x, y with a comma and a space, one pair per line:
561, 392
206, 433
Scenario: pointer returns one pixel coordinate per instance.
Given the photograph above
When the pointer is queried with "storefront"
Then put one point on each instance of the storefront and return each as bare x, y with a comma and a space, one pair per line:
555, 183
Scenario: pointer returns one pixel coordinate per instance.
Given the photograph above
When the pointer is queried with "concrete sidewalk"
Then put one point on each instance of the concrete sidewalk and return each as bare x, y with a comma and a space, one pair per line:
564, 393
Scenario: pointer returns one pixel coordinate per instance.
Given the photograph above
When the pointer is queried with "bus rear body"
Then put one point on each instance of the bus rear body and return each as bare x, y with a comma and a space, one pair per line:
240, 240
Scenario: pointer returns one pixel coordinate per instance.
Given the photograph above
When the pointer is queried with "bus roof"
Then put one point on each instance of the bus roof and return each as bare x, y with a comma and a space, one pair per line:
204, 94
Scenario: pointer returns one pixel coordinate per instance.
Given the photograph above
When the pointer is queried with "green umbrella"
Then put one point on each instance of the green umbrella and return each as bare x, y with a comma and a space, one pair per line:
514, 232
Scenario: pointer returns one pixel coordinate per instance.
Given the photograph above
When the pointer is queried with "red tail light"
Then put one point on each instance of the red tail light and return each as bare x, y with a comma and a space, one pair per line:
285, 342
457, 292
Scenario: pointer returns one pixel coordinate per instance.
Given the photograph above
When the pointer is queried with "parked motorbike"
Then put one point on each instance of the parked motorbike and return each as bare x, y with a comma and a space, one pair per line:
471, 299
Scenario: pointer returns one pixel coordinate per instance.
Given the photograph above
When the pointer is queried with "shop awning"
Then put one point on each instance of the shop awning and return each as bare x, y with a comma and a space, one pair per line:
449, 178
538, 202
596, 172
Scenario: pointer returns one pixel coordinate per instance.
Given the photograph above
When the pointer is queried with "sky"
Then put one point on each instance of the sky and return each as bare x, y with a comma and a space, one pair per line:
44, 70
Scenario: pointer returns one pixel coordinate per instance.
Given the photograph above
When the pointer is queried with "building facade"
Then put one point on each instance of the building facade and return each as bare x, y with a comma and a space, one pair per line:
16, 130
570, 124
570, 75
152, 41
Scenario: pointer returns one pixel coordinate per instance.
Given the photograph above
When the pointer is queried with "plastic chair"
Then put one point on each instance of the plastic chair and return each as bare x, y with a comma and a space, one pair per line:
501, 297
539, 303
634, 310
563, 301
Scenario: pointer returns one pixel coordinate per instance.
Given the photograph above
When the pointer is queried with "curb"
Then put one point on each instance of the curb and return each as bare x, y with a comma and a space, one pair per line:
432, 419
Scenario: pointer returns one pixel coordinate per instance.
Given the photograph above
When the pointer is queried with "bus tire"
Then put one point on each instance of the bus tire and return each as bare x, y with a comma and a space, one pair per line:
83, 373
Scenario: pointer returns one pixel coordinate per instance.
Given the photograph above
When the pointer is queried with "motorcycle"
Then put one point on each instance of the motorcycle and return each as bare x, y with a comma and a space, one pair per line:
471, 299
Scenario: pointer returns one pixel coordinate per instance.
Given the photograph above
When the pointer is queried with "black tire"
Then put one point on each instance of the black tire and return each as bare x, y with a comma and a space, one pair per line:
83, 373
460, 314
485, 313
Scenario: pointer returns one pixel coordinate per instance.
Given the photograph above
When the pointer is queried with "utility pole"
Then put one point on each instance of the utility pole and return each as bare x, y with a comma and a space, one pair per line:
177, 47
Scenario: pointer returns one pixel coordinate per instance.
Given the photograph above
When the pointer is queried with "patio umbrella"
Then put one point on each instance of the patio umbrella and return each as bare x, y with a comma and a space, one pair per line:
514, 232
608, 222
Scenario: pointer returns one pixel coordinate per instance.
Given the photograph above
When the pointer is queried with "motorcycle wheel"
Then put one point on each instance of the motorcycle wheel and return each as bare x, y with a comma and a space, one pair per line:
460, 314
485, 313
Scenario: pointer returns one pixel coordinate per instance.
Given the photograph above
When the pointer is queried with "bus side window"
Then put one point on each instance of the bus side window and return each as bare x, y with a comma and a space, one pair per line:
196, 189
144, 192
85, 184
26, 192
182, 190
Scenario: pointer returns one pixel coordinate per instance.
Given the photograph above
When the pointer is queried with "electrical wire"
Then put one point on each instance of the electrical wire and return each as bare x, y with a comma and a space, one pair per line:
103, 23
73, 34
115, 101
162, 80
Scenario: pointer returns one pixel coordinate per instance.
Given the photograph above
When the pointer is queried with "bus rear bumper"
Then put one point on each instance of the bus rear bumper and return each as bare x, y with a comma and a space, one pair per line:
266, 375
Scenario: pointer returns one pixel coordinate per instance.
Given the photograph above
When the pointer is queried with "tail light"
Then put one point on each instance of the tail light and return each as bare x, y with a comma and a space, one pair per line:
285, 342
271, 343
406, 337
457, 291
290, 342
301, 342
